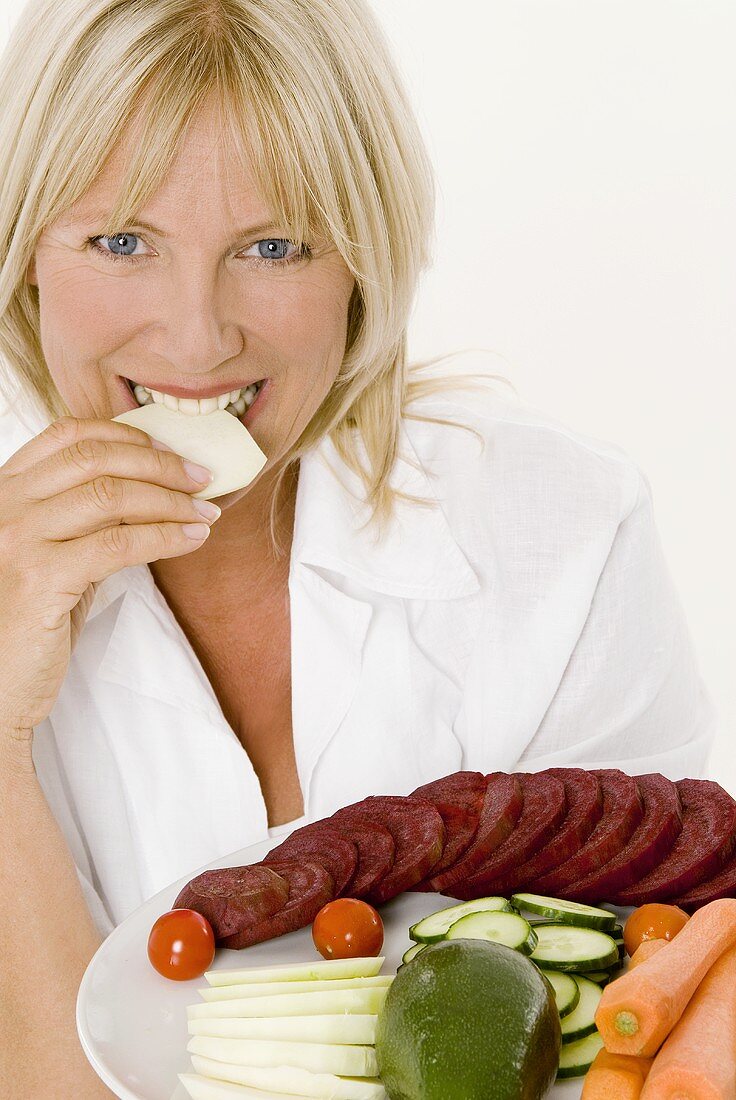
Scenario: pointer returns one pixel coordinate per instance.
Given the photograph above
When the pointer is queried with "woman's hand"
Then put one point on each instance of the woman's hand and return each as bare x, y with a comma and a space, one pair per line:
78, 502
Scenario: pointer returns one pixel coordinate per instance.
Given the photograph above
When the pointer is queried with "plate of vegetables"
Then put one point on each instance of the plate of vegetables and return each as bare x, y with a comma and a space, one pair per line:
162, 1015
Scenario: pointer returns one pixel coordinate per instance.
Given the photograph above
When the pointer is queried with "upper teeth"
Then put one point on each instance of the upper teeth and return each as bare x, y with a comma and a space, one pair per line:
235, 401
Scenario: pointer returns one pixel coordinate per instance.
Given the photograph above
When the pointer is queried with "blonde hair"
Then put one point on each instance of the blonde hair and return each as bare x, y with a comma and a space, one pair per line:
307, 92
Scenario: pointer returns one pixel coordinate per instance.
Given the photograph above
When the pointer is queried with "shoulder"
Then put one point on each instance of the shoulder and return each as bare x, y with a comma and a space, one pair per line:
518, 461
514, 449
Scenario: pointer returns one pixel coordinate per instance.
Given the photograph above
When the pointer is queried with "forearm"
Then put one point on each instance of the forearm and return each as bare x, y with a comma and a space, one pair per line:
47, 938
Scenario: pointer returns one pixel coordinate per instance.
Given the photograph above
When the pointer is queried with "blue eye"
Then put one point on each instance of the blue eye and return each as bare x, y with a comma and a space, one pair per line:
122, 240
273, 256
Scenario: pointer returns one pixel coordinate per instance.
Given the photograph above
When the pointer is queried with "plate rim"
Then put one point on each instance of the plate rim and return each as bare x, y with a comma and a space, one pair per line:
232, 859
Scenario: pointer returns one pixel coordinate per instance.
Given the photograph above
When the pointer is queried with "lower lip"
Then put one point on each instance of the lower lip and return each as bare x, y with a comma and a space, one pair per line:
246, 419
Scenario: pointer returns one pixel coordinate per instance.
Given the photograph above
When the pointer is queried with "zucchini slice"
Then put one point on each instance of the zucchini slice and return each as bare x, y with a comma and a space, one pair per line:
581, 1021
617, 934
566, 991
577, 1058
432, 929
565, 912
507, 928
565, 947
412, 952
600, 977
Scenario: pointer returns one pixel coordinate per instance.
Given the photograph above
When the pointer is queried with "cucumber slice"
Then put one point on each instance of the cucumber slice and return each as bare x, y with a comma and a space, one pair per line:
617, 935
565, 947
603, 976
565, 912
432, 929
412, 952
577, 1058
565, 989
581, 1021
507, 928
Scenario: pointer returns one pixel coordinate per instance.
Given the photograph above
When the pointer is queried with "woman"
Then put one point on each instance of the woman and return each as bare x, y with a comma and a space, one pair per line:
199, 196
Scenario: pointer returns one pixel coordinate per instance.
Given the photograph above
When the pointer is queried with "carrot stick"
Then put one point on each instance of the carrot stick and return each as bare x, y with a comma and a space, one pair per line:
616, 1076
644, 951
698, 1060
638, 1010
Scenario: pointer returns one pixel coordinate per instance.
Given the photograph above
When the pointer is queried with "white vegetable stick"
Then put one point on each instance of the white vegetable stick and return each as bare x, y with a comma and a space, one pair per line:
298, 972
269, 989
343, 1028
293, 1081
216, 440
350, 1061
204, 1088
293, 1004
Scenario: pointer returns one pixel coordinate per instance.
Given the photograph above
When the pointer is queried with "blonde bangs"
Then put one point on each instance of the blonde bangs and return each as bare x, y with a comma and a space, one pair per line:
309, 101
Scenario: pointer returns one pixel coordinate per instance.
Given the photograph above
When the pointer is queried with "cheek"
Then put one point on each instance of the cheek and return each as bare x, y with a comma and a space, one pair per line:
80, 314
81, 323
306, 317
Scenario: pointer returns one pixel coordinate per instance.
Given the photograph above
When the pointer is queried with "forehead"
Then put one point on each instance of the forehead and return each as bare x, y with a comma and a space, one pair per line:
206, 176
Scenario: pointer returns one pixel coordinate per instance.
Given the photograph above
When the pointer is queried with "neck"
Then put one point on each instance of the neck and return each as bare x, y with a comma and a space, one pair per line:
238, 550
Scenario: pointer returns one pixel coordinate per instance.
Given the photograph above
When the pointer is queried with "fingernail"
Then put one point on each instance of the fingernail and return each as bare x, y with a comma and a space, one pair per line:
159, 446
196, 531
207, 509
198, 473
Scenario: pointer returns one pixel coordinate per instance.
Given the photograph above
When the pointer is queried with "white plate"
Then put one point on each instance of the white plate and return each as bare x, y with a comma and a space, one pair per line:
132, 1022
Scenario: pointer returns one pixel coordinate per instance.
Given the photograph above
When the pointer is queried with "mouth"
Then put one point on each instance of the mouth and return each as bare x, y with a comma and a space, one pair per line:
242, 403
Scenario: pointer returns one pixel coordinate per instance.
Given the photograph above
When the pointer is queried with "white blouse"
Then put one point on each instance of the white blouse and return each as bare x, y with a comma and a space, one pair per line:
527, 620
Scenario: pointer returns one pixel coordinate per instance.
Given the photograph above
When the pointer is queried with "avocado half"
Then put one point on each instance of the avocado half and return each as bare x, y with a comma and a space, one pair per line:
468, 1020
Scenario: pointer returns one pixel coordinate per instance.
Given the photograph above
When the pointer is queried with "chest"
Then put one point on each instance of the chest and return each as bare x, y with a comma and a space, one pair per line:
246, 655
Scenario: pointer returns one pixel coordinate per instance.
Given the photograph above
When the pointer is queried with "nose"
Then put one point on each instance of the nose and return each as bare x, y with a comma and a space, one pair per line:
197, 327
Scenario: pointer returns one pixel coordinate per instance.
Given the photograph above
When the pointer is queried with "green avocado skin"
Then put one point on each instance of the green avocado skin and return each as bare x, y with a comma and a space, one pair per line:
468, 1020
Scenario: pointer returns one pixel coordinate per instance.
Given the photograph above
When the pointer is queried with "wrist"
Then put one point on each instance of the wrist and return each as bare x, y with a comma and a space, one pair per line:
16, 754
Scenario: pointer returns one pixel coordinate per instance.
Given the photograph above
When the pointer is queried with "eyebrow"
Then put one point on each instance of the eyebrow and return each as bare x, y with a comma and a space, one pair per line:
249, 231
238, 233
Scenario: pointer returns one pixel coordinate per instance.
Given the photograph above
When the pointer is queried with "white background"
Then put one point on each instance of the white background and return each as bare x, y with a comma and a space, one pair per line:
584, 151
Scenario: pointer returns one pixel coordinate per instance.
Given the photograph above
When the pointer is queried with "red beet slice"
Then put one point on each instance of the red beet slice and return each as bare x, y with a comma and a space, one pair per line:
458, 798
376, 854
458, 787
623, 811
721, 885
322, 844
232, 898
705, 844
542, 814
584, 811
310, 887
502, 804
418, 832
649, 845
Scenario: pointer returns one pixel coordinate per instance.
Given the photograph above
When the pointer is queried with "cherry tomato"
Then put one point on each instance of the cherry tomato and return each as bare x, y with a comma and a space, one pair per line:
653, 922
181, 945
347, 929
